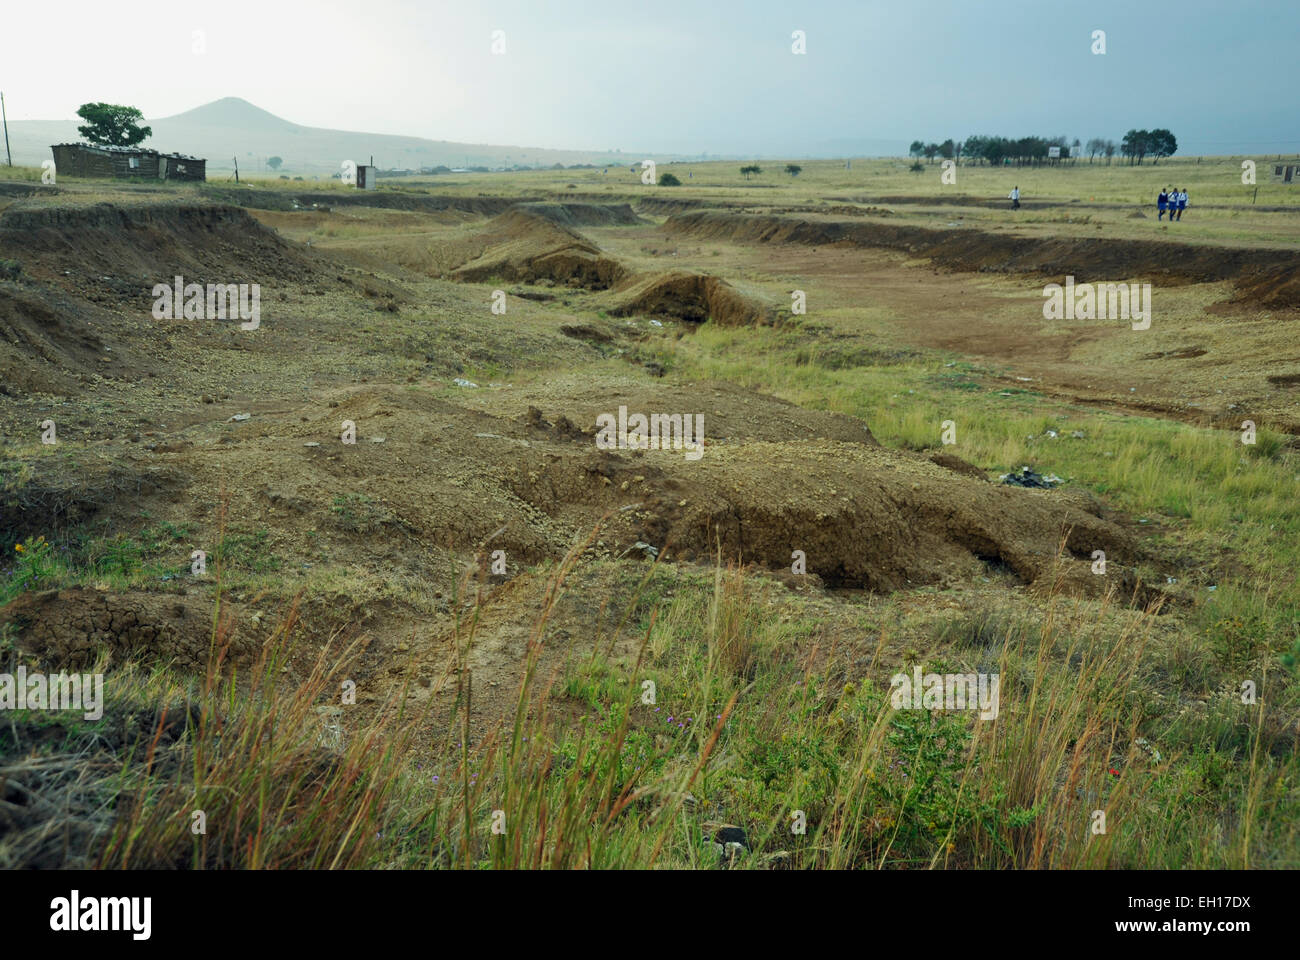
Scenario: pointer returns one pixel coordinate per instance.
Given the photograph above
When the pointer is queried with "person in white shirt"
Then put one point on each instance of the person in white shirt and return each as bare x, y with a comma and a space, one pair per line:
1015, 197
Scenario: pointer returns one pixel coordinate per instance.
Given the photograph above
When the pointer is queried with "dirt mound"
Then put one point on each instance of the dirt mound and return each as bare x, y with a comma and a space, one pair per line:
79, 303
1263, 276
53, 496
666, 206
768, 479
49, 340
132, 246
733, 414
689, 296
864, 516
663, 206
585, 331
69, 629
1271, 287
957, 465
585, 214
524, 246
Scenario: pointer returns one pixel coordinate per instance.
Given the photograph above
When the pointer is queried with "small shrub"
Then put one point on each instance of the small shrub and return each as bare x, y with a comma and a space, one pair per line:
35, 565
357, 513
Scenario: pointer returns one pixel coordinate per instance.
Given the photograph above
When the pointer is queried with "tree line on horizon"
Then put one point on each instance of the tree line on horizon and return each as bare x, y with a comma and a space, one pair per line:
117, 125
1135, 146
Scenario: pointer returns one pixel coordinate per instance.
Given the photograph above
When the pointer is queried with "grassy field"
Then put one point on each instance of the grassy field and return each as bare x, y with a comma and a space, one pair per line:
770, 705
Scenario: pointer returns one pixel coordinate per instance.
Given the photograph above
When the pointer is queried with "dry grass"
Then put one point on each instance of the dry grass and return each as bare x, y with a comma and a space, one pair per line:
763, 730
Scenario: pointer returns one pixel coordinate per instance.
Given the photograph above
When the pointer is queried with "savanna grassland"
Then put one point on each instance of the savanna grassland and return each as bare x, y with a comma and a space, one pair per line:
474, 617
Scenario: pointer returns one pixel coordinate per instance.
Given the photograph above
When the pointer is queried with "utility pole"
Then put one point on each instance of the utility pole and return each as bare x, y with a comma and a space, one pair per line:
5, 116
236, 159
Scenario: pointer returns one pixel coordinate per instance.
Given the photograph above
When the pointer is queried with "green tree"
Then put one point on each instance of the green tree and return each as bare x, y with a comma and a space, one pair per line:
793, 169
1136, 145
996, 150
668, 180
112, 125
750, 170
1163, 143
274, 162
977, 147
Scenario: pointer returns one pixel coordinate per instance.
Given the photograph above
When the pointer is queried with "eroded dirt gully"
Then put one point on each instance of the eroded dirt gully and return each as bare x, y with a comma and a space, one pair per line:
1220, 346
375, 534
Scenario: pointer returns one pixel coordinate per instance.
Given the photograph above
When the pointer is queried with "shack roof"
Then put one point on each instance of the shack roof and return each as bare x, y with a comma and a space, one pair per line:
104, 148
144, 151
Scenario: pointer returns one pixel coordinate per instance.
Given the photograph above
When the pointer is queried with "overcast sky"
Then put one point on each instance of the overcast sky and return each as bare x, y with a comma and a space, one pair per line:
697, 76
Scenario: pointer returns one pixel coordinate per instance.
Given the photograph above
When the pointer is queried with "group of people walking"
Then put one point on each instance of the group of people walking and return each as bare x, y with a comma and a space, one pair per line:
1173, 202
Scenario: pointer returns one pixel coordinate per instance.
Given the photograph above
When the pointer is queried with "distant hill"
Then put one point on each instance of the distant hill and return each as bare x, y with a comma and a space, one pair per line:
232, 113
230, 127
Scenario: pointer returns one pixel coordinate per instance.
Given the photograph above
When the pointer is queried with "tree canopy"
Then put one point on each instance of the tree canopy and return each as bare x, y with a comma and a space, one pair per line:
1028, 151
113, 125
1139, 144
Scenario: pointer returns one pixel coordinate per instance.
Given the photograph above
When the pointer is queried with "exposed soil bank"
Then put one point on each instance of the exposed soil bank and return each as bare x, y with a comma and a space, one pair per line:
1265, 277
526, 246
692, 297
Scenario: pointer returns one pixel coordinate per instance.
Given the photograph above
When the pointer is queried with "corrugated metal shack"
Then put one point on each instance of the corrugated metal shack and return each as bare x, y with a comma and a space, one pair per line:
177, 166
94, 160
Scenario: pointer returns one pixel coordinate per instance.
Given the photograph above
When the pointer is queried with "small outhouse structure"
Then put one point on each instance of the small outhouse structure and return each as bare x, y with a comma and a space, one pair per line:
367, 176
1288, 172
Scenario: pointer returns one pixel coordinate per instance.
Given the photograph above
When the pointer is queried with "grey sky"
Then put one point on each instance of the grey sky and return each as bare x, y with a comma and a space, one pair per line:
685, 77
